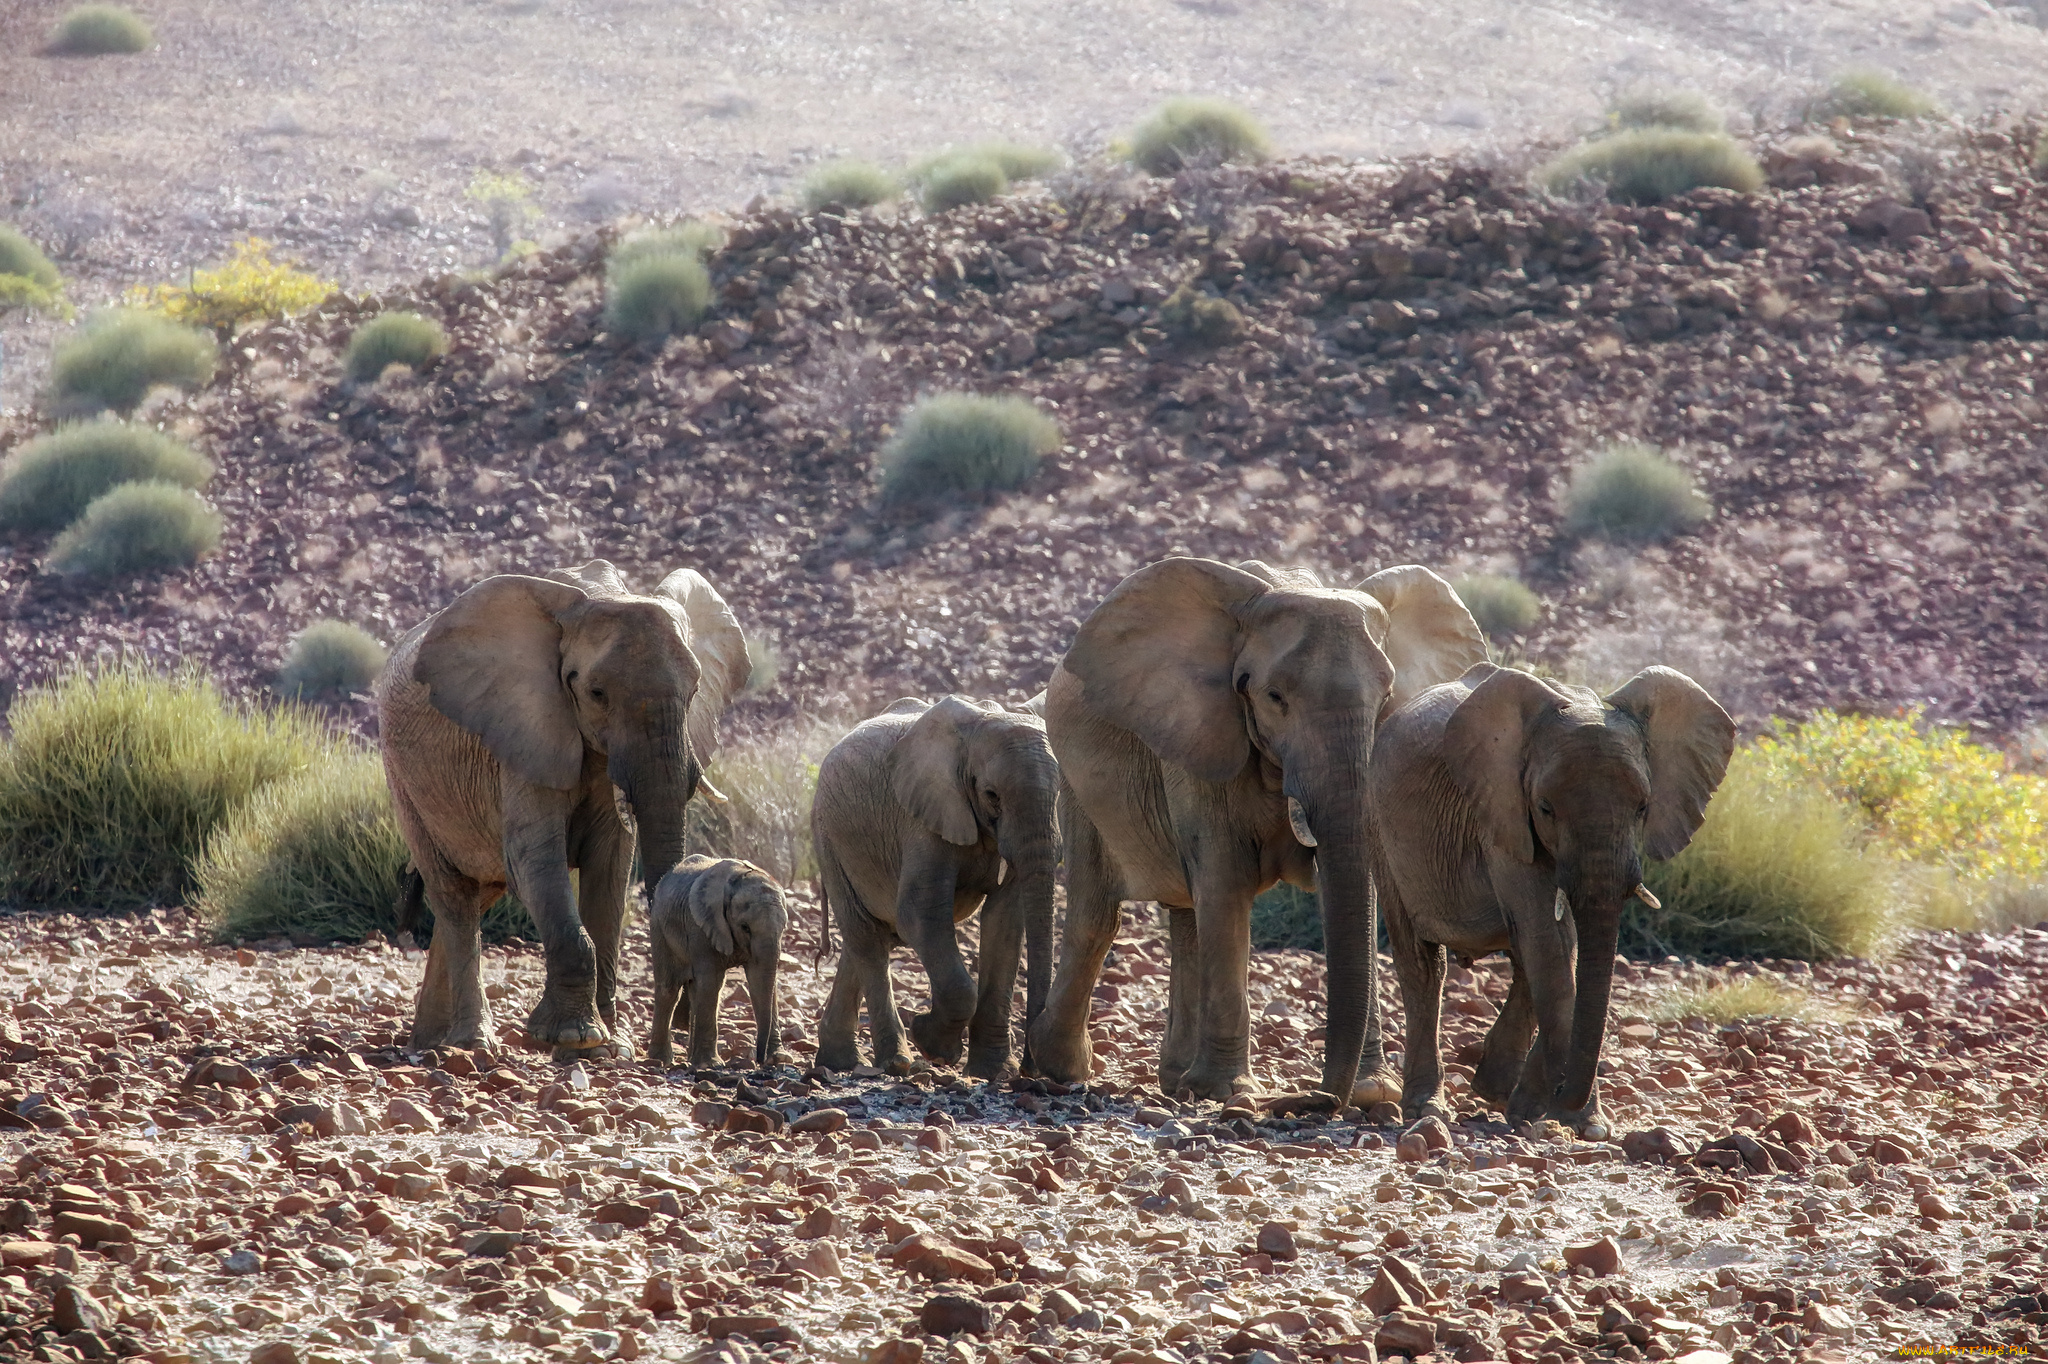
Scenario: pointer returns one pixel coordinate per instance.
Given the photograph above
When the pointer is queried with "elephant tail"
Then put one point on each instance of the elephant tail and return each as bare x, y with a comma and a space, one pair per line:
413, 915
824, 925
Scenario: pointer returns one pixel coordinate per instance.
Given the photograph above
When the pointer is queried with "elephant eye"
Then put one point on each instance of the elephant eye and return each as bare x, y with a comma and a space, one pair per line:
572, 676
597, 694
1543, 808
1642, 811
1275, 697
1244, 680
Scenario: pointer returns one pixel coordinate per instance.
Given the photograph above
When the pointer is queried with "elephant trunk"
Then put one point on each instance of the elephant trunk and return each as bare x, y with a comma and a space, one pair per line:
1596, 901
1034, 866
658, 775
761, 976
1333, 803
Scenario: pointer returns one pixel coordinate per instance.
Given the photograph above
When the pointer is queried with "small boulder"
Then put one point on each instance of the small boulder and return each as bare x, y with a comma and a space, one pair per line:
949, 1314
1277, 1241
1603, 1257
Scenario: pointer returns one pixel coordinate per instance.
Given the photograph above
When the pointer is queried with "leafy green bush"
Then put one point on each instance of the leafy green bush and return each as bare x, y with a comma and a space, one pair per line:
1631, 492
101, 31
1645, 165
1287, 916
1187, 130
1871, 94
399, 338
111, 781
848, 184
965, 442
119, 355
962, 180
251, 287
49, 481
135, 528
1681, 109
1502, 606
331, 659
27, 279
655, 296
1192, 315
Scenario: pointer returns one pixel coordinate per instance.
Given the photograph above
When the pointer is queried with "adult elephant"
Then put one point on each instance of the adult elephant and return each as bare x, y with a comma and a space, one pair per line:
923, 815
1511, 815
1212, 726
517, 724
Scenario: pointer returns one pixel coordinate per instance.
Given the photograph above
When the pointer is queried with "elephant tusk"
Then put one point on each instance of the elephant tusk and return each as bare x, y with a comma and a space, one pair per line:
1297, 820
1642, 892
1562, 904
1002, 869
716, 796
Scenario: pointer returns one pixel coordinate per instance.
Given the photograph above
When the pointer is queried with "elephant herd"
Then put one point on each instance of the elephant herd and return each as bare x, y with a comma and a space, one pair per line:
1211, 731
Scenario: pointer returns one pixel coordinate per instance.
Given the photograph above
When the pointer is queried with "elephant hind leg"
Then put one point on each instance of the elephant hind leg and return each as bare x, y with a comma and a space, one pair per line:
1183, 999
451, 1010
1420, 967
1058, 1038
1507, 1045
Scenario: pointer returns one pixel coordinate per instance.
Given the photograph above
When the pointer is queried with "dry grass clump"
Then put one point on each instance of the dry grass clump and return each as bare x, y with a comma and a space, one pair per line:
111, 782
120, 355
101, 31
1191, 315
398, 338
656, 284
848, 184
137, 528
1648, 164
51, 480
965, 443
1865, 93
1188, 131
683, 239
1651, 108
27, 278
961, 180
769, 783
1737, 1001
1631, 492
1501, 605
330, 660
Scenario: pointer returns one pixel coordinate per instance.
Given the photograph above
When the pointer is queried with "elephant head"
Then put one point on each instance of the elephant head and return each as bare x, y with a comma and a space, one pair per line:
1581, 786
740, 910
1221, 670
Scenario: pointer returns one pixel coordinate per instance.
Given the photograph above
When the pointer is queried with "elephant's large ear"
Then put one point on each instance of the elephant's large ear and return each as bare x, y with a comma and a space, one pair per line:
1156, 658
598, 578
710, 898
491, 662
1690, 740
1486, 744
1430, 637
930, 772
721, 650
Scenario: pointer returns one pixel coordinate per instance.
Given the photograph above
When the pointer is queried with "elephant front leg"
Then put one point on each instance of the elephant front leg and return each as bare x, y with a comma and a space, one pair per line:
1420, 966
1183, 1000
603, 873
1060, 1047
668, 991
1223, 917
451, 1010
706, 985
1543, 959
567, 1017
1002, 942
924, 919
1507, 1045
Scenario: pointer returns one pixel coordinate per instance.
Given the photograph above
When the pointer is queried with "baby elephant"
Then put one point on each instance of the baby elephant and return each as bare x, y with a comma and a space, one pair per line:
710, 915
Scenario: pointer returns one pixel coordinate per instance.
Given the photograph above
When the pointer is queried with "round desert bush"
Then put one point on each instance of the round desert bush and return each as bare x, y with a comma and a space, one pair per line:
1181, 131
847, 184
49, 481
1193, 315
655, 296
1502, 606
118, 356
962, 180
1871, 94
1645, 165
965, 442
101, 30
1017, 160
1665, 109
111, 782
331, 658
684, 239
135, 528
27, 279
389, 339
1631, 492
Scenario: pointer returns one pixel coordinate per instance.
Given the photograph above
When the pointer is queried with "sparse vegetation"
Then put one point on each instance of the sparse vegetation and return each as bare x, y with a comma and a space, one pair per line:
1871, 94
1502, 606
1649, 164
962, 180
27, 278
111, 782
251, 287
770, 783
120, 355
653, 296
1182, 132
1287, 916
507, 202
330, 660
1191, 315
1683, 109
1756, 997
101, 31
684, 239
399, 338
49, 481
1018, 161
1631, 492
848, 184
965, 443
137, 528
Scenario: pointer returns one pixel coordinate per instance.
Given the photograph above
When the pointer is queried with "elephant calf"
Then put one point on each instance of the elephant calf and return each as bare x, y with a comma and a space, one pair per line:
710, 915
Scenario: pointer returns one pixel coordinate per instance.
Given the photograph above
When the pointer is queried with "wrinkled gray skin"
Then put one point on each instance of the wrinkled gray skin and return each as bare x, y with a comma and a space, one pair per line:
708, 916
516, 725
1492, 796
923, 815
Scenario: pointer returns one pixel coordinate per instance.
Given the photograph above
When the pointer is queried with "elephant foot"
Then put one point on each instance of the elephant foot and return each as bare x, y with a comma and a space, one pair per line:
987, 1065
1172, 1078
1380, 1086
1426, 1106
1217, 1083
1308, 1101
458, 1036
565, 1025
1589, 1122
900, 1066
941, 1041
1063, 1056
835, 1053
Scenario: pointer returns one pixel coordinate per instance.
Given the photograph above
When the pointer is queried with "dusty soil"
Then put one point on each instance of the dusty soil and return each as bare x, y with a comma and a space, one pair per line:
219, 1154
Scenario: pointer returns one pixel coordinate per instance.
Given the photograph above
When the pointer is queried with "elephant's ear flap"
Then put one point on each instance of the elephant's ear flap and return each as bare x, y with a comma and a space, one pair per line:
491, 662
1486, 744
721, 650
1430, 637
930, 774
1156, 659
710, 898
1690, 740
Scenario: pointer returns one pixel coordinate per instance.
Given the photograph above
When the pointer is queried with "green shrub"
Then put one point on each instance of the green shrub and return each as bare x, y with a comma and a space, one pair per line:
1502, 606
1191, 315
100, 31
1287, 916
251, 287
118, 356
965, 442
847, 184
1017, 160
27, 279
1631, 492
1681, 109
962, 180
655, 296
389, 339
135, 528
684, 239
1182, 131
1871, 94
1645, 165
48, 483
331, 658
507, 202
111, 782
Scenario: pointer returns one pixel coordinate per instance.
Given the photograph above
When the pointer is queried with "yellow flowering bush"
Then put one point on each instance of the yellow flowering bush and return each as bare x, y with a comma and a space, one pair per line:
249, 288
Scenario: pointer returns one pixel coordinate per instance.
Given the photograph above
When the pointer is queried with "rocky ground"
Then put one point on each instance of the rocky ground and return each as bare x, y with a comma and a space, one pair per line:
220, 1154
